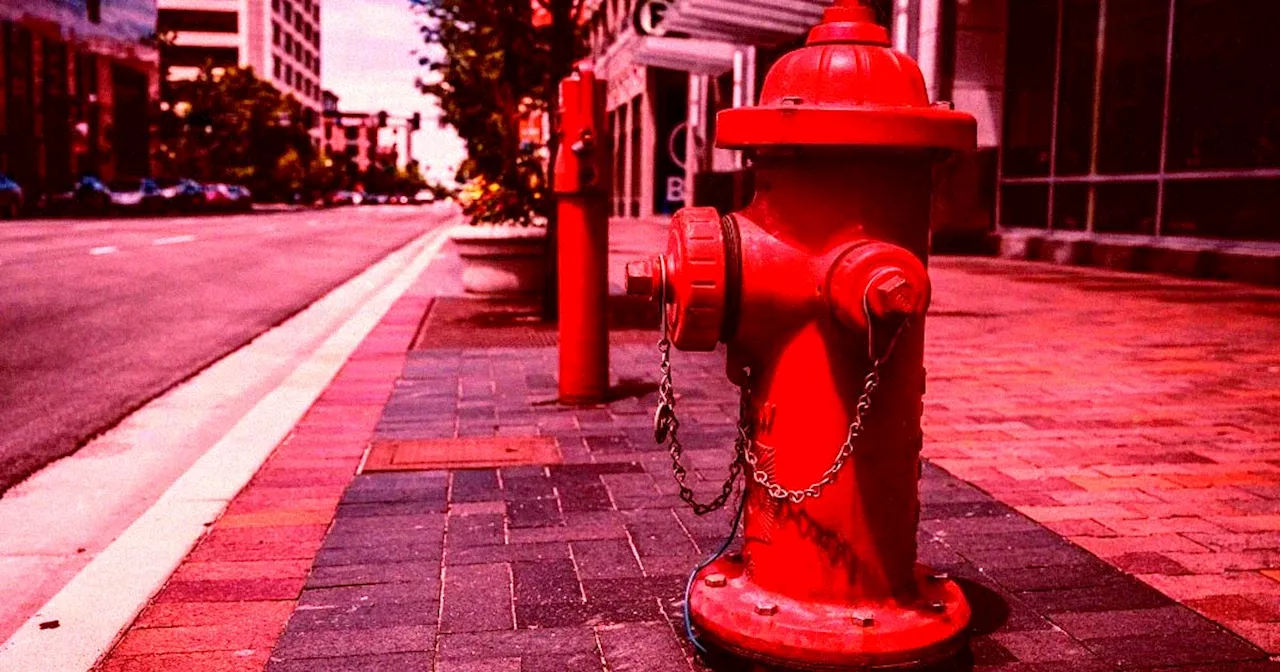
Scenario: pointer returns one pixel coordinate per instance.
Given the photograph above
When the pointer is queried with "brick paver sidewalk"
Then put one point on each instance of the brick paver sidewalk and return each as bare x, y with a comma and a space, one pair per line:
580, 566
1138, 416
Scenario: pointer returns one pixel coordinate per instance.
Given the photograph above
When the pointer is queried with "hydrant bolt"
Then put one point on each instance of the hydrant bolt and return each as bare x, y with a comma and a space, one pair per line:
715, 580
766, 608
640, 280
894, 294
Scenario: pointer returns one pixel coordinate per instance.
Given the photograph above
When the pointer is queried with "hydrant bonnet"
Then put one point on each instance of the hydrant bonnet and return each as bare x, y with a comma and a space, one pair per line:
846, 88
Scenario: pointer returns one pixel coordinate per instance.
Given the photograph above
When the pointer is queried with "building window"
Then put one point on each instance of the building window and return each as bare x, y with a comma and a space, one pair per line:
288, 42
288, 12
1142, 117
198, 21
275, 67
199, 57
275, 5
316, 70
288, 73
275, 33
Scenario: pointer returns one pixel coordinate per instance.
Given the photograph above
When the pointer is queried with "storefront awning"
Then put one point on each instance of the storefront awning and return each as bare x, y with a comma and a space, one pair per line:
759, 22
703, 57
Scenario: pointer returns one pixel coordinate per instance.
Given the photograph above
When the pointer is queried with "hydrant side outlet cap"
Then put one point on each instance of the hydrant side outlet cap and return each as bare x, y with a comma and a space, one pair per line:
846, 87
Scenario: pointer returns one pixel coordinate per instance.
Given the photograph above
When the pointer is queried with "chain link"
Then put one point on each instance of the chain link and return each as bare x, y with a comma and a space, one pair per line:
666, 429
776, 491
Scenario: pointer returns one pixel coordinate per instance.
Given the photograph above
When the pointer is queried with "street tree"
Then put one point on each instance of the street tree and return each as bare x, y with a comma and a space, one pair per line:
492, 64
228, 125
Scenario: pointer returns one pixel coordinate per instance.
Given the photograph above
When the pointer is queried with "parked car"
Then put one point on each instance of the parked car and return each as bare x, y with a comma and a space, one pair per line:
424, 196
10, 197
136, 196
217, 197
241, 198
377, 199
88, 196
183, 195
341, 197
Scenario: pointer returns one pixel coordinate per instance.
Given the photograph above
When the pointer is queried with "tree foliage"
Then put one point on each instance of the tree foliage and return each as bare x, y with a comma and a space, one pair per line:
490, 63
230, 126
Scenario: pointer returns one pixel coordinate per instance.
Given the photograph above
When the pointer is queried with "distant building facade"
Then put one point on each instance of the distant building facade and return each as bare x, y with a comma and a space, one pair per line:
279, 39
77, 85
353, 135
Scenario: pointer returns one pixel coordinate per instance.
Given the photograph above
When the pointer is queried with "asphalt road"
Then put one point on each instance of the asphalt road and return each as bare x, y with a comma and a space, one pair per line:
97, 317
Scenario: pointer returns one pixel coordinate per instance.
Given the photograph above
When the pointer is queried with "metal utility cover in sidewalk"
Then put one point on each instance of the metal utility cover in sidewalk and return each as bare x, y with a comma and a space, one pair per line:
462, 453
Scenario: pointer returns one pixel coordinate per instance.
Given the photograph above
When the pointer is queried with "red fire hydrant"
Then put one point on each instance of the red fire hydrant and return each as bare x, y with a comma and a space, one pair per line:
819, 290
582, 202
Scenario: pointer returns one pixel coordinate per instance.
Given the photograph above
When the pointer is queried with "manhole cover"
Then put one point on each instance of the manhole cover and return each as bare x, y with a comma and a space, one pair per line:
463, 453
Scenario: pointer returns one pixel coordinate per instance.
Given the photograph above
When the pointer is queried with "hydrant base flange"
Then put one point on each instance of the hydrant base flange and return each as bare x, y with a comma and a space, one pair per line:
748, 621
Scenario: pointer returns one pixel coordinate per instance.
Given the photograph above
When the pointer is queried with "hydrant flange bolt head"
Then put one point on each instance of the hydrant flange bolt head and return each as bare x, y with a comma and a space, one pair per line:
864, 621
766, 608
640, 279
715, 580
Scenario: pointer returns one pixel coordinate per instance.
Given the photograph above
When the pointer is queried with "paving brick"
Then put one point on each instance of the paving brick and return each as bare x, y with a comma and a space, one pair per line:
367, 616
1047, 646
477, 598
1193, 586
345, 643
546, 582
370, 573
525, 513
476, 530
364, 594
211, 661
641, 647
1149, 563
400, 662
1151, 650
233, 590
225, 636
1111, 597
605, 559
474, 485
1223, 608
517, 643
173, 614
249, 569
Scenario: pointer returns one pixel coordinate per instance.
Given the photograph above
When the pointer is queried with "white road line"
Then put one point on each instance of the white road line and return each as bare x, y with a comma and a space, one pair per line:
173, 240
105, 249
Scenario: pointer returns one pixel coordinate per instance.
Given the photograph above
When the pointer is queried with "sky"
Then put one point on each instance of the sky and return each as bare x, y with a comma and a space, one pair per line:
368, 58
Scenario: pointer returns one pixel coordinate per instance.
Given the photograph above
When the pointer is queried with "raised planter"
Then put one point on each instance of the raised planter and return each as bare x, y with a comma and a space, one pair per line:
502, 260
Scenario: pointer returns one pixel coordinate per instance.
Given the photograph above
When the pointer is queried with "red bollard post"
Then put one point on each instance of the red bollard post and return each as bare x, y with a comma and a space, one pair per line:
582, 180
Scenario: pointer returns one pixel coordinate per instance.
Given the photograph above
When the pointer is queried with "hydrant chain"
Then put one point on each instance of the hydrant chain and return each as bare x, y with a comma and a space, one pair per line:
863, 406
666, 429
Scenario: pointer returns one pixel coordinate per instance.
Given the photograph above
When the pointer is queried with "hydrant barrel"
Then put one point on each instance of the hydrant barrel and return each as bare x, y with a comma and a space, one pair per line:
581, 180
819, 290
